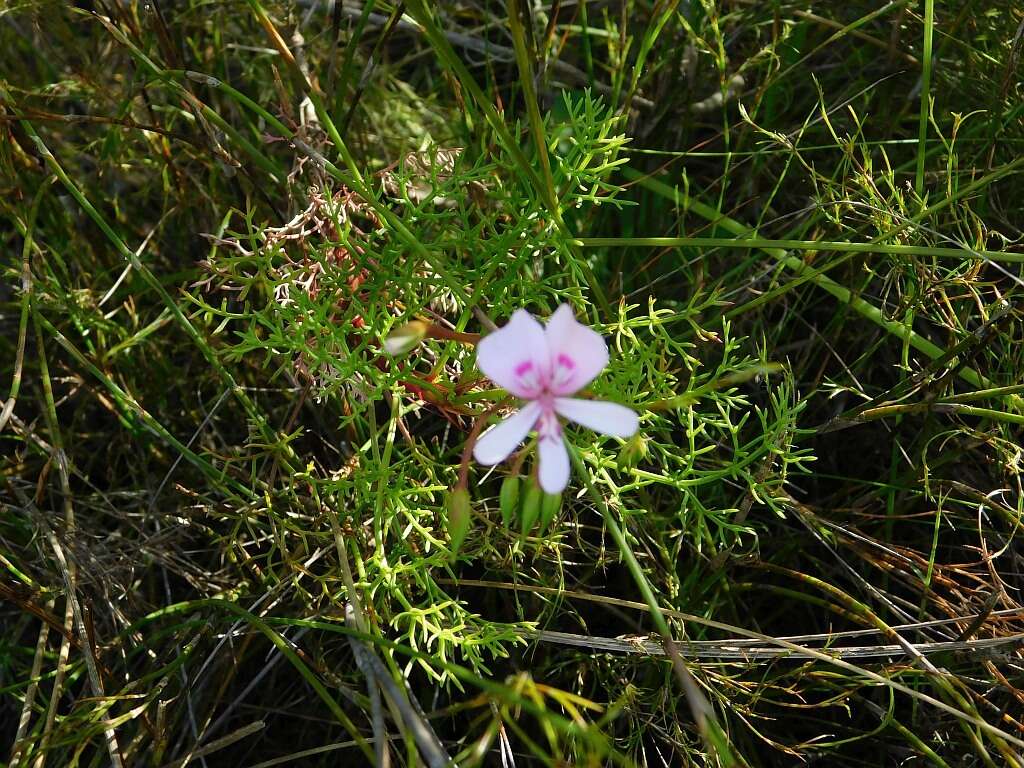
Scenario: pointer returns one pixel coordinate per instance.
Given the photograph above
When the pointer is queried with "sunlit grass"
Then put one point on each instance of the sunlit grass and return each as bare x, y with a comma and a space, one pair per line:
227, 526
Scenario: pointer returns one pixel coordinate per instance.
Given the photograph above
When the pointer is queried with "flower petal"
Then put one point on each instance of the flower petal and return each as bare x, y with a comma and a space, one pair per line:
552, 463
601, 416
500, 440
515, 356
578, 353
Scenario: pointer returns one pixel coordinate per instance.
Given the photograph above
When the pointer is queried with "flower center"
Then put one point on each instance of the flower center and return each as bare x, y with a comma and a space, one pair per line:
563, 372
548, 427
529, 378
536, 383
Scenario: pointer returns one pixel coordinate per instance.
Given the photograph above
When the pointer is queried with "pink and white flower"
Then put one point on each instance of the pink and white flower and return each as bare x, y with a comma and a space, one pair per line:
544, 366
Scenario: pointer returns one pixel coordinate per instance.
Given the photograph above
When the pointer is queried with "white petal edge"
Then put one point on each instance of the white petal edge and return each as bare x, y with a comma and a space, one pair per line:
504, 437
520, 340
552, 464
599, 415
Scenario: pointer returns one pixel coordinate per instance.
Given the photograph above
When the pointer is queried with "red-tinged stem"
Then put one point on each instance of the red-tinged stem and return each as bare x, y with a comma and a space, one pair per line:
474, 433
435, 331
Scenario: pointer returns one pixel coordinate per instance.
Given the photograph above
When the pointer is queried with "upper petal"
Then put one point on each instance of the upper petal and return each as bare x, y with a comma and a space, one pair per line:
515, 356
578, 353
552, 463
501, 439
599, 415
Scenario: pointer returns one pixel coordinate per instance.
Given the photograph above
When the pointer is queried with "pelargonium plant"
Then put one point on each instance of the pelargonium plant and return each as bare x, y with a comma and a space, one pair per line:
544, 366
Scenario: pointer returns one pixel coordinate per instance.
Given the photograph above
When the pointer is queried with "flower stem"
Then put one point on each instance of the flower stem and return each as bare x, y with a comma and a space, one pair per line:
620, 540
474, 433
703, 713
435, 331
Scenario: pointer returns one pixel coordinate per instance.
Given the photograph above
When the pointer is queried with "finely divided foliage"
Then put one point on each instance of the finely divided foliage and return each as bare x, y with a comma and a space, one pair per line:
288, 287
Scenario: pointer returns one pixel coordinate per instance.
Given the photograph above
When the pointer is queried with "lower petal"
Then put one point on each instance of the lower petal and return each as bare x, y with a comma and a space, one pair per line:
604, 417
500, 440
553, 464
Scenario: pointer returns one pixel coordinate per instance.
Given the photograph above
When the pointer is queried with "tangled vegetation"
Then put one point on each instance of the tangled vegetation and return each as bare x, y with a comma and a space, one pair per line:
235, 531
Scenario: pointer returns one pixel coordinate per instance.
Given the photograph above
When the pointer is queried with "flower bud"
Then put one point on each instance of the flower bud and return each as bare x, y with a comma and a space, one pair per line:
458, 518
508, 499
404, 339
549, 507
633, 452
531, 506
